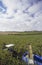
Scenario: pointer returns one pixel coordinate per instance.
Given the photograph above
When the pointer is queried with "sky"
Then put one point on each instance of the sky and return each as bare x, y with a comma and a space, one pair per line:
20, 15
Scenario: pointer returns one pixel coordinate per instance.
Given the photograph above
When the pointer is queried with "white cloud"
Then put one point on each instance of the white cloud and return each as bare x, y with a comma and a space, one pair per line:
16, 20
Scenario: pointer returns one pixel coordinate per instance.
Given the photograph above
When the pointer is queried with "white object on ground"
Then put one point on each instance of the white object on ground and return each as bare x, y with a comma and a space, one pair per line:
9, 45
31, 61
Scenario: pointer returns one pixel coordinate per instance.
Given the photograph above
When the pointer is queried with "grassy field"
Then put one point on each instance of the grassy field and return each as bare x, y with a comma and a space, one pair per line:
21, 42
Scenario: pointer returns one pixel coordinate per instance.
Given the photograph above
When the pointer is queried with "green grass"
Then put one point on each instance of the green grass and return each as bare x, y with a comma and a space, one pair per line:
21, 42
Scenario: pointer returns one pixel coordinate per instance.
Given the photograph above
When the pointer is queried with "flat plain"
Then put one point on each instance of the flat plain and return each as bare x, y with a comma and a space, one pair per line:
21, 41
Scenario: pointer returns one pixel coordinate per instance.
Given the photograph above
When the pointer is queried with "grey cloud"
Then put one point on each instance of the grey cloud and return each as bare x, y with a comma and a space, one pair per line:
15, 11
11, 17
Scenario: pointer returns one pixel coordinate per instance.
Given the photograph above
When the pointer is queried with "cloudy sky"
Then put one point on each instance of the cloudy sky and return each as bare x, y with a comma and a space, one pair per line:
20, 15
